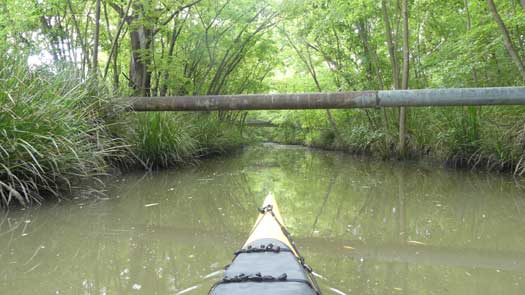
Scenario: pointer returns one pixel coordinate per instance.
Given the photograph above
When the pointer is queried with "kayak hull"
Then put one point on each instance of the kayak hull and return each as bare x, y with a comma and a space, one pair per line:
268, 263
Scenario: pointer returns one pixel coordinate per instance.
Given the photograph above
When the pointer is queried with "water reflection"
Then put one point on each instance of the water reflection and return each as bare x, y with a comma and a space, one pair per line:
366, 228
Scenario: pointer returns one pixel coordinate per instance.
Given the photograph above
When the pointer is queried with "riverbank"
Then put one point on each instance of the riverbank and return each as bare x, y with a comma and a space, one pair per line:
60, 132
477, 138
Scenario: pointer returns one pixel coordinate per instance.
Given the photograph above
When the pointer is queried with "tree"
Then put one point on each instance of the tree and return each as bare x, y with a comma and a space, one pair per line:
306, 57
143, 24
391, 46
506, 38
469, 28
404, 85
96, 37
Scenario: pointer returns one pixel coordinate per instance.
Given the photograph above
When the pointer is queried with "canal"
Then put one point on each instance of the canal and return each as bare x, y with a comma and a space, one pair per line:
366, 227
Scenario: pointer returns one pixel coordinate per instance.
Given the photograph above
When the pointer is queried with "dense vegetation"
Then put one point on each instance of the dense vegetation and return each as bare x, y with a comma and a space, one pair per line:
59, 131
58, 124
398, 44
62, 61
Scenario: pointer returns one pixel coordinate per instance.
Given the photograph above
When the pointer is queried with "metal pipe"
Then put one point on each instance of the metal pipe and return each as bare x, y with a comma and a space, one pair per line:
333, 100
453, 97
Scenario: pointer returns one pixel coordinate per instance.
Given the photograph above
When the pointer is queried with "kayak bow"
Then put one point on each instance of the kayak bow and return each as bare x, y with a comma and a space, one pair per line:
269, 262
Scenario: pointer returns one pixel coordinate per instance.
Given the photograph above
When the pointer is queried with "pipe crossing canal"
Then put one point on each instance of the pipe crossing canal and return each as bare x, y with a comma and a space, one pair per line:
333, 100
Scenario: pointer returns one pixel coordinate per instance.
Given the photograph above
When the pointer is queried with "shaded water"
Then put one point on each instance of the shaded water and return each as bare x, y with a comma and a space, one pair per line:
365, 227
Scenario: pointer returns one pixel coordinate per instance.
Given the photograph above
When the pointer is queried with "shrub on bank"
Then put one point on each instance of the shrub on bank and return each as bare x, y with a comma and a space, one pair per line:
486, 138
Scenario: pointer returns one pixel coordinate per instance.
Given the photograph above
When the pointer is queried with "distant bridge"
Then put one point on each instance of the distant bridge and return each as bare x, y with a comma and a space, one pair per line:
260, 123
331, 100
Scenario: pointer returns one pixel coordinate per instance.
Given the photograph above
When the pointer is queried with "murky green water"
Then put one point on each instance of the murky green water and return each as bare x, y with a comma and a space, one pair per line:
365, 227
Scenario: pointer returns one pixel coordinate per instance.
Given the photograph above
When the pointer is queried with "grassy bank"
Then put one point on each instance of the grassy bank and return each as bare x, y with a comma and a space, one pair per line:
58, 132
164, 139
483, 138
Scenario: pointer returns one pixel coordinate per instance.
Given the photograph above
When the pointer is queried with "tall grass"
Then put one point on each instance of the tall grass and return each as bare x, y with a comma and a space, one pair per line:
164, 139
51, 132
55, 134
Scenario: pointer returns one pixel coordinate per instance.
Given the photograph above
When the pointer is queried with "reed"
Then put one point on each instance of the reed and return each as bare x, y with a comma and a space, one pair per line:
163, 139
52, 132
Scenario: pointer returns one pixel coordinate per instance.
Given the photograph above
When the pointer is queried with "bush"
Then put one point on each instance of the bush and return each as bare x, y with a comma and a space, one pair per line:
489, 138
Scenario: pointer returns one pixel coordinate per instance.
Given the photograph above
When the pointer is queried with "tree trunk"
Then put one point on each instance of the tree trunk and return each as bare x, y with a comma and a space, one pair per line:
373, 66
469, 27
86, 62
318, 85
391, 46
506, 39
474, 70
328, 112
406, 61
363, 34
175, 34
370, 53
96, 37
522, 2
139, 74
114, 45
112, 58
116, 73
307, 60
2, 25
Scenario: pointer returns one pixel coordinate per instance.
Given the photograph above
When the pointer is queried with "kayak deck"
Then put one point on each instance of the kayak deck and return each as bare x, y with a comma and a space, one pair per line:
268, 263
268, 226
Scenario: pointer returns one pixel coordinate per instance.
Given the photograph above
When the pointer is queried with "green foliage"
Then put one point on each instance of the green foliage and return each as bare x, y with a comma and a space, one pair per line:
491, 138
347, 44
52, 132
54, 120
